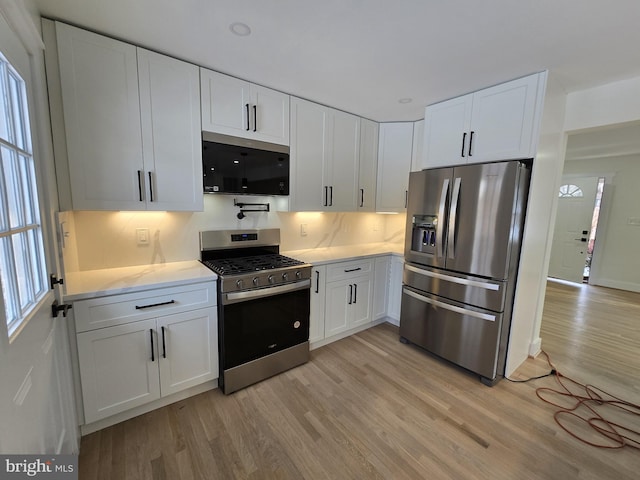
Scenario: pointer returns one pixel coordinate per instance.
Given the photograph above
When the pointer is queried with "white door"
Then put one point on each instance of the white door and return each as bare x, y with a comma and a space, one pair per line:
446, 132
343, 167
270, 115
573, 226
226, 104
394, 163
37, 411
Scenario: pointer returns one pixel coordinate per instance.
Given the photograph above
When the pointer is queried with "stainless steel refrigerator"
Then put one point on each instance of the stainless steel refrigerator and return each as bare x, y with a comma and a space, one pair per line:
462, 249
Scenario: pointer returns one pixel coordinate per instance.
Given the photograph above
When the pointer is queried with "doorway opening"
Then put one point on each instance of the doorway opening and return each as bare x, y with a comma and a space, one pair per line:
592, 233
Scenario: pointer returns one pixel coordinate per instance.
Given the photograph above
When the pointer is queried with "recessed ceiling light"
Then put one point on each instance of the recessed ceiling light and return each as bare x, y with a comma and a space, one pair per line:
240, 29
405, 100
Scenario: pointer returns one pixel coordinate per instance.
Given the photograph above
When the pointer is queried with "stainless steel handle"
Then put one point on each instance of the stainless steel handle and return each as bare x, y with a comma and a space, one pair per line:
164, 346
440, 226
448, 278
140, 185
447, 306
150, 187
234, 297
353, 270
350, 294
453, 219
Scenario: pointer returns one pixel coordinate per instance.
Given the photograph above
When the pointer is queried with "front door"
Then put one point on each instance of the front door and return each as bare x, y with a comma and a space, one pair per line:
37, 412
573, 226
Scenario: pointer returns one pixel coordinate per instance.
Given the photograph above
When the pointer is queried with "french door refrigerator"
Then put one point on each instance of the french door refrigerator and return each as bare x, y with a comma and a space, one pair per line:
462, 248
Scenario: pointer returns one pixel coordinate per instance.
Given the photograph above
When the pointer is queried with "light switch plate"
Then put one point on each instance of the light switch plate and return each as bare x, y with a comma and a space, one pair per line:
142, 236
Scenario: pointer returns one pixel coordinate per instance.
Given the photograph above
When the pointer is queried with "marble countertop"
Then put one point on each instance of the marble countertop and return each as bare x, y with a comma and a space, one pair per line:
323, 255
113, 281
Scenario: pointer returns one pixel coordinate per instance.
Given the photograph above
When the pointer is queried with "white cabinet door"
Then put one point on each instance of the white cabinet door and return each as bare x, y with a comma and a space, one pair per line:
503, 121
381, 287
417, 153
309, 132
361, 305
341, 170
234, 107
447, 132
118, 368
101, 106
187, 349
316, 317
170, 112
394, 162
226, 104
270, 115
368, 166
339, 297
395, 288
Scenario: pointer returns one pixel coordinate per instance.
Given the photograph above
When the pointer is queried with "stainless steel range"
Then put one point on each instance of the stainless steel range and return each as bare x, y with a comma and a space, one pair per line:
263, 305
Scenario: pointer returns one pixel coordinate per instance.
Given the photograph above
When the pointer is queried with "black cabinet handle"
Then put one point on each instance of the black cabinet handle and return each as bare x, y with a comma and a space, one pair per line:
406, 198
150, 187
164, 347
317, 281
361, 197
331, 195
142, 307
464, 137
355, 293
255, 118
326, 196
247, 107
353, 270
471, 142
350, 294
153, 358
140, 184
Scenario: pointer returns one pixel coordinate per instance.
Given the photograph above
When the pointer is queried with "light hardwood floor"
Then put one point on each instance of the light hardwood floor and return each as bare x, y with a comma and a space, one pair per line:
369, 407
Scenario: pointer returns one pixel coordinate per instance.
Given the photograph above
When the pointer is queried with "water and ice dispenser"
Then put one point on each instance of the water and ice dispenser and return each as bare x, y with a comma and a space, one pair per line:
424, 236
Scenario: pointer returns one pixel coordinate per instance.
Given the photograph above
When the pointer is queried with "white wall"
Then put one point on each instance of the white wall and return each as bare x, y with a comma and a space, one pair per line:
616, 261
108, 239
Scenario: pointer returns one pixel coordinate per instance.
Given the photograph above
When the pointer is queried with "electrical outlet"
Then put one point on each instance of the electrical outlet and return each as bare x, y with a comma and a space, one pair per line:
303, 229
142, 236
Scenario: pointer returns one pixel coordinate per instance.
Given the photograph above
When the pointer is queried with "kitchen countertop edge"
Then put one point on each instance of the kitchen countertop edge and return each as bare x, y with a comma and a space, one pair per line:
328, 255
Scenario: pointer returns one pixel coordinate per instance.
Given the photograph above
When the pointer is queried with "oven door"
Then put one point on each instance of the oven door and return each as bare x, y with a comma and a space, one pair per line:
257, 323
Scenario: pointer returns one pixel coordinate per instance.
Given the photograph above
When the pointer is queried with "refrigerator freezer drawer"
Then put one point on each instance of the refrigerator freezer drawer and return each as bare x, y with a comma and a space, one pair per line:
487, 294
464, 335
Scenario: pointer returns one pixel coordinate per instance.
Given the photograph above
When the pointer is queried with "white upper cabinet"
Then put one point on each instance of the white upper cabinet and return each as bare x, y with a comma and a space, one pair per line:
417, 153
234, 107
368, 169
325, 146
170, 107
132, 125
497, 123
394, 162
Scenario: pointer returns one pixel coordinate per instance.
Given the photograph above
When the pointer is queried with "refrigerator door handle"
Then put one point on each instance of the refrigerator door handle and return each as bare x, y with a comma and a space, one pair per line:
453, 308
448, 278
453, 217
440, 226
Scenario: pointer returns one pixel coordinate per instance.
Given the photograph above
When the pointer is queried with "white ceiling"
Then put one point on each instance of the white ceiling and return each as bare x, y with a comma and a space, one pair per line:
362, 56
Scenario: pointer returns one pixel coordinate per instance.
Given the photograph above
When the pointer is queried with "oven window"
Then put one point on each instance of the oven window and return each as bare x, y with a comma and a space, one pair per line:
259, 327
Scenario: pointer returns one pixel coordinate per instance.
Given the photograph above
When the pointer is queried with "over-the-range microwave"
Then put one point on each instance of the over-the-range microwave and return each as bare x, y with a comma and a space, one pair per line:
241, 166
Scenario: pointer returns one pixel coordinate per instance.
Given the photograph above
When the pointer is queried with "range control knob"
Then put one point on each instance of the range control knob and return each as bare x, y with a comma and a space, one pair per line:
256, 281
285, 276
298, 274
271, 279
239, 283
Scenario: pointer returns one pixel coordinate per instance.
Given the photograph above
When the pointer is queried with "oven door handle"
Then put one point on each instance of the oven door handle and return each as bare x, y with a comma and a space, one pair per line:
234, 297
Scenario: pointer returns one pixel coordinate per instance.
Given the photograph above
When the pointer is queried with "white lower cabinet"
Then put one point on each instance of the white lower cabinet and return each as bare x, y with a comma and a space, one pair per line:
133, 363
381, 287
316, 315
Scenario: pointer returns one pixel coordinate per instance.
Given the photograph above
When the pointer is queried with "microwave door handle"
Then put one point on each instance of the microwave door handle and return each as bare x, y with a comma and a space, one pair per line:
453, 219
441, 211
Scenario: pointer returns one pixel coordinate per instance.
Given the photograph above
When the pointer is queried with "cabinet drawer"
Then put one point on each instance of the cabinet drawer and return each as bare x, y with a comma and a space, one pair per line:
342, 270
119, 309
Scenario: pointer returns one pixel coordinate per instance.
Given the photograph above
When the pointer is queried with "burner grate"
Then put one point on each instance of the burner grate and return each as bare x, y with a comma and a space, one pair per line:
240, 265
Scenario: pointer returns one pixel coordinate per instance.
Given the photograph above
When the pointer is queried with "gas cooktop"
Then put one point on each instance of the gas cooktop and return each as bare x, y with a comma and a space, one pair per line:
254, 263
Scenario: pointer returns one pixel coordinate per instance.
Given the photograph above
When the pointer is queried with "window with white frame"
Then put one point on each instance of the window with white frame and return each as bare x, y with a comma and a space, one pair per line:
22, 261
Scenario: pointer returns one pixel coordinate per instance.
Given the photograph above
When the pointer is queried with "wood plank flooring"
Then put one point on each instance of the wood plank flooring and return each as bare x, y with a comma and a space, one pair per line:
369, 407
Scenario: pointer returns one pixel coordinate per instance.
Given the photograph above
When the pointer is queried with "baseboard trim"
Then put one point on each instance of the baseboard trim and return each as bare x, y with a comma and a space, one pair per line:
535, 347
348, 333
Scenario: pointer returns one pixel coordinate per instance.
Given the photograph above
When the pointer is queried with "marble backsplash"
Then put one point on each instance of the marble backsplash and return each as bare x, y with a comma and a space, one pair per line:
97, 240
